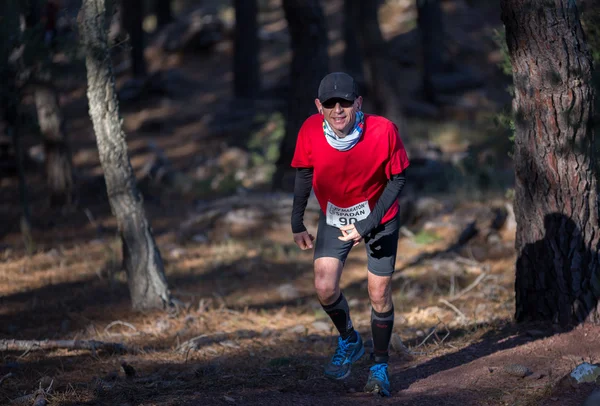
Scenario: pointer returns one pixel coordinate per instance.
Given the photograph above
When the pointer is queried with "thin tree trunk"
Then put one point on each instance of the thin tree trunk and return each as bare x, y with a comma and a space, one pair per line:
432, 43
132, 18
310, 63
556, 193
164, 14
141, 257
353, 63
246, 77
59, 167
9, 103
380, 75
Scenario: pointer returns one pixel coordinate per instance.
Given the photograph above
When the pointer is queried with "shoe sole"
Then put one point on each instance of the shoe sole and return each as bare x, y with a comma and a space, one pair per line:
378, 390
356, 358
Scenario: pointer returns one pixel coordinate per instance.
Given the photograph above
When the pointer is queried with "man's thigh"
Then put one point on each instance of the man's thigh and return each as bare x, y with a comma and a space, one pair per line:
382, 246
327, 244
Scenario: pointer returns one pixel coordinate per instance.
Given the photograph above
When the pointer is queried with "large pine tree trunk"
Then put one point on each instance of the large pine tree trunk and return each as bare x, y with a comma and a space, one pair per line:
246, 78
556, 202
59, 167
141, 257
310, 63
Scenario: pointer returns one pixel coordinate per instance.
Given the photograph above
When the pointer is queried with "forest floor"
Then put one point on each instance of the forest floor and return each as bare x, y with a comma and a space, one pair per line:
249, 330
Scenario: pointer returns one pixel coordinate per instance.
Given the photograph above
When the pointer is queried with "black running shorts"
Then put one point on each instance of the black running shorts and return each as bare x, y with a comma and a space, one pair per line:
381, 245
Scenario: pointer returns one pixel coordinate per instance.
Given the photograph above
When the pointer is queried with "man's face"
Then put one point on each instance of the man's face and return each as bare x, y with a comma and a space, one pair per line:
339, 113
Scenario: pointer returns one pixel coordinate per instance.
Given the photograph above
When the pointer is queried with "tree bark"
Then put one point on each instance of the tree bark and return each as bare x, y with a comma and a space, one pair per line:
45, 345
246, 78
164, 14
141, 257
556, 193
59, 167
382, 90
431, 30
132, 19
10, 98
353, 63
310, 63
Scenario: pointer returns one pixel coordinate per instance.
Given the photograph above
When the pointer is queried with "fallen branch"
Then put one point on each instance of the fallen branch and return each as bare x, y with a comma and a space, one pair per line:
428, 336
470, 287
456, 310
38, 397
269, 204
207, 339
5, 377
121, 323
92, 345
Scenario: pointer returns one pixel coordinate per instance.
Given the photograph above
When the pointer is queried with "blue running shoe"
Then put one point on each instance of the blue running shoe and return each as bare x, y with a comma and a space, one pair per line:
346, 353
378, 381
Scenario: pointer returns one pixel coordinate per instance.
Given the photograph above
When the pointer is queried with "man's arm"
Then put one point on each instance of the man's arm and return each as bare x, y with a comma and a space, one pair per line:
388, 197
302, 189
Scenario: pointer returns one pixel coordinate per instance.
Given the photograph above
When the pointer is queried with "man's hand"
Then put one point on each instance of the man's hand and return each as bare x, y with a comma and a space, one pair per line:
349, 233
304, 240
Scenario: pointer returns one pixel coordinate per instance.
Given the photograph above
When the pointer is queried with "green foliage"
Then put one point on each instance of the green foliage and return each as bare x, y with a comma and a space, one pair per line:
590, 19
264, 143
425, 237
499, 38
505, 119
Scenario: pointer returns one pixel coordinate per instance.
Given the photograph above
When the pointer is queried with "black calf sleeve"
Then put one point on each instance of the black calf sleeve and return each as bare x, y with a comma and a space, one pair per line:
381, 328
340, 315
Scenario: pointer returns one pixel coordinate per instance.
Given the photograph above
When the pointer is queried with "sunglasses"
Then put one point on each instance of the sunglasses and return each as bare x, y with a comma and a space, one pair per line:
329, 104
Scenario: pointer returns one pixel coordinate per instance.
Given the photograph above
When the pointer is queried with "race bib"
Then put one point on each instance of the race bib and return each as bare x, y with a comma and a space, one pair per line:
343, 216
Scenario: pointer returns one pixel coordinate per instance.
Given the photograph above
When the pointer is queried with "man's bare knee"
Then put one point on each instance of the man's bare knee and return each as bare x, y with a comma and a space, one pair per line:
380, 294
327, 280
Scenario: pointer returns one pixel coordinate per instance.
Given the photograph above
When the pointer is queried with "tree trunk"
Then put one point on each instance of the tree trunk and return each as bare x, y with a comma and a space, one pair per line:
164, 14
382, 90
310, 63
353, 63
247, 48
132, 18
556, 194
9, 103
432, 43
59, 167
141, 257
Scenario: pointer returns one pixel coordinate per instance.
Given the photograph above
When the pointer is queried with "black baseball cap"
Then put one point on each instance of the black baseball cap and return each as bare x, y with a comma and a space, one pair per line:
337, 85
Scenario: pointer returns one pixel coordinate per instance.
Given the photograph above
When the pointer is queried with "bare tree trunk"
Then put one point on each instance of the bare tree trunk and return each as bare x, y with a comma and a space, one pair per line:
556, 201
380, 75
141, 257
132, 18
9, 102
59, 166
164, 14
353, 61
310, 63
247, 47
432, 43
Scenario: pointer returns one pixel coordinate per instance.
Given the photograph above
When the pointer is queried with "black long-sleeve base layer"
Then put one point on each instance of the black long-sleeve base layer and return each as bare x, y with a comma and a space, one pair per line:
303, 186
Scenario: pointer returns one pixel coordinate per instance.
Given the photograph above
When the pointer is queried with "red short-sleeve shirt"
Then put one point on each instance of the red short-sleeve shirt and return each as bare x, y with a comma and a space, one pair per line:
346, 178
